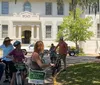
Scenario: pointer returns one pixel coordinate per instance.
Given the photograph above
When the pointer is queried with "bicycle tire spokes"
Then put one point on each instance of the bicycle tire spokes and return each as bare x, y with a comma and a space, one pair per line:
57, 67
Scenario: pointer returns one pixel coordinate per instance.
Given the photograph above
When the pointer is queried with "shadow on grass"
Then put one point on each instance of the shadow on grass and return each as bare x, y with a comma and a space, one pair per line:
81, 74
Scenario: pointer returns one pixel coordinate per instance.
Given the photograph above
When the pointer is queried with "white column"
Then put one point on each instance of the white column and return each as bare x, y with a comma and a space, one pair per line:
43, 30
0, 31
19, 35
14, 33
32, 31
37, 31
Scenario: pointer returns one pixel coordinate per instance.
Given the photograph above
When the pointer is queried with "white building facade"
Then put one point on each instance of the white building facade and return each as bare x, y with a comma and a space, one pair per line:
32, 20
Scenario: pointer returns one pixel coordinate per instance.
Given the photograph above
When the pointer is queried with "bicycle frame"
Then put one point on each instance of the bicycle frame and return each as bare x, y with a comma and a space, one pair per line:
19, 80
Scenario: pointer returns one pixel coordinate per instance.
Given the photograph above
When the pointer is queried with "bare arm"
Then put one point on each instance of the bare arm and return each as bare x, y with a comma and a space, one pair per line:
66, 46
38, 61
10, 55
56, 47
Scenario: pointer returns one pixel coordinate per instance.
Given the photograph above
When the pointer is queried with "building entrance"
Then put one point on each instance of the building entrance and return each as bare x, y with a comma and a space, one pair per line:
26, 37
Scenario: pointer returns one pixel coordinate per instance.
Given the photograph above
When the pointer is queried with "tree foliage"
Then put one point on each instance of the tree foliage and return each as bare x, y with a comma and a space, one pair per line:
91, 5
85, 2
77, 29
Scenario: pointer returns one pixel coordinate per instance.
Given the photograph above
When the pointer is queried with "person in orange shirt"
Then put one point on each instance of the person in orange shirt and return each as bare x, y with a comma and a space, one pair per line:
62, 50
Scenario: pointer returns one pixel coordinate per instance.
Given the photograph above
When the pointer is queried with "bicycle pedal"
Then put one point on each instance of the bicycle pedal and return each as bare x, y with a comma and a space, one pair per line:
6, 81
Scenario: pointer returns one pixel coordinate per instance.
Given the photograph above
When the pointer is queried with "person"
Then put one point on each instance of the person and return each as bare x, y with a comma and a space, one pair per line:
22, 38
7, 47
62, 51
52, 53
18, 57
2, 66
36, 59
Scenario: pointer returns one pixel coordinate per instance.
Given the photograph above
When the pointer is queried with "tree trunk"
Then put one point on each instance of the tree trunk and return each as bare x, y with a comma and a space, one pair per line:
77, 47
76, 44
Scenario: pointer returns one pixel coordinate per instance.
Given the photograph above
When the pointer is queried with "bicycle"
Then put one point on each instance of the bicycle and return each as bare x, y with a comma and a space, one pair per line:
8, 73
57, 66
18, 78
36, 77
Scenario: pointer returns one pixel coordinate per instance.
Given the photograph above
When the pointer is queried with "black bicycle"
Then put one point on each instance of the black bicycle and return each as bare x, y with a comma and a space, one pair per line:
57, 66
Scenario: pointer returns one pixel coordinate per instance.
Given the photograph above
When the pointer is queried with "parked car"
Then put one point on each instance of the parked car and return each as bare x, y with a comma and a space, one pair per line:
28, 49
72, 53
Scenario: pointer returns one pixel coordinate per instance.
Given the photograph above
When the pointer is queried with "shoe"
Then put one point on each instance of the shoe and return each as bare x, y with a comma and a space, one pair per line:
64, 69
6, 81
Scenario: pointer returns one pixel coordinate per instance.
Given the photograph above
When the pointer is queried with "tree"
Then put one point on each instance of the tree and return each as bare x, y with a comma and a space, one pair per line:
15, 1
92, 5
77, 29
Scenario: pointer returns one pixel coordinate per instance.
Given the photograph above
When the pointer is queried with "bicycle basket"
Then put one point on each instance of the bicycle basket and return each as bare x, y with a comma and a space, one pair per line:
19, 66
36, 77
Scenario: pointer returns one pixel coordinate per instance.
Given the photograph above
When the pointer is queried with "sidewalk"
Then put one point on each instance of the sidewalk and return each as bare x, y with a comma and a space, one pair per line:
82, 59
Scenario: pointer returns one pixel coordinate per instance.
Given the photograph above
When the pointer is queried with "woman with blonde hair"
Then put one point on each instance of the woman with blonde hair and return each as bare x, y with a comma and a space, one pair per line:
36, 59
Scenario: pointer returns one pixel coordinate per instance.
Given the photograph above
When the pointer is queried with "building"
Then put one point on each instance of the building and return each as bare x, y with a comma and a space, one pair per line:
32, 20
92, 46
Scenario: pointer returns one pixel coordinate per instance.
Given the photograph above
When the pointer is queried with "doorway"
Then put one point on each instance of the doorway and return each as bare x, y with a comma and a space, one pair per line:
26, 36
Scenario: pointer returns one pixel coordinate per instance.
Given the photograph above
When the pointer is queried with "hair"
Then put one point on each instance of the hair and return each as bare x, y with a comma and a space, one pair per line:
61, 38
52, 44
5, 43
39, 47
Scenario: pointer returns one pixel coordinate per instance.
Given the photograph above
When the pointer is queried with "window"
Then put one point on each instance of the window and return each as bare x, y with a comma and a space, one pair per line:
5, 7
48, 31
27, 6
31, 45
48, 6
70, 6
58, 27
35, 32
98, 30
60, 9
4, 31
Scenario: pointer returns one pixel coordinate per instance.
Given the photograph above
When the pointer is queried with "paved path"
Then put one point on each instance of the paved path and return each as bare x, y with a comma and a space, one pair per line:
83, 59
70, 60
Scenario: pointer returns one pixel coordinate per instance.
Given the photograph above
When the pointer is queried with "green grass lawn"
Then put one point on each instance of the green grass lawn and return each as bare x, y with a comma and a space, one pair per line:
81, 74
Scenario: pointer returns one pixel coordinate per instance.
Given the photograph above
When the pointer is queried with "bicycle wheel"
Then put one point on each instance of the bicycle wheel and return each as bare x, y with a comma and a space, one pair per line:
54, 71
18, 79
